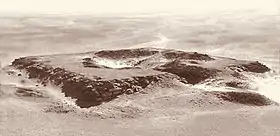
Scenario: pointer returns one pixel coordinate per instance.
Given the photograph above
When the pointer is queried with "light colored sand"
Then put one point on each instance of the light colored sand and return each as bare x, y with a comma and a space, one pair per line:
166, 112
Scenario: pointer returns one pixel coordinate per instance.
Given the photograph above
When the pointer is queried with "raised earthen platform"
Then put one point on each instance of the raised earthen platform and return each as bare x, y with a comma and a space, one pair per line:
95, 77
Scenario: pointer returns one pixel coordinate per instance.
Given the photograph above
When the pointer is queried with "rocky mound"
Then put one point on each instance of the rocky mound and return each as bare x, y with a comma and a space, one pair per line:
246, 98
89, 91
126, 53
171, 54
95, 77
255, 67
192, 73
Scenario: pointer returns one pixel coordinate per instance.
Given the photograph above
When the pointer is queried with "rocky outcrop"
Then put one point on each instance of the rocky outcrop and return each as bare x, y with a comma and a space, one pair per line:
88, 91
236, 84
186, 55
246, 98
255, 67
91, 83
192, 73
126, 53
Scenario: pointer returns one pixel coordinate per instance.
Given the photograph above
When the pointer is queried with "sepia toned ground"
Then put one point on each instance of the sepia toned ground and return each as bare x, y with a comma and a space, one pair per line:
30, 107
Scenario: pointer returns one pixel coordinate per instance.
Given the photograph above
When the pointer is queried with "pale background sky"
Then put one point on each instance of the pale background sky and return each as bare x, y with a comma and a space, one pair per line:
134, 6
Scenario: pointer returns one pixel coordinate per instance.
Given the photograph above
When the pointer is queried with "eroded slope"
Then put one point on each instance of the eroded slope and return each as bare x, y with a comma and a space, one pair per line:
96, 77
